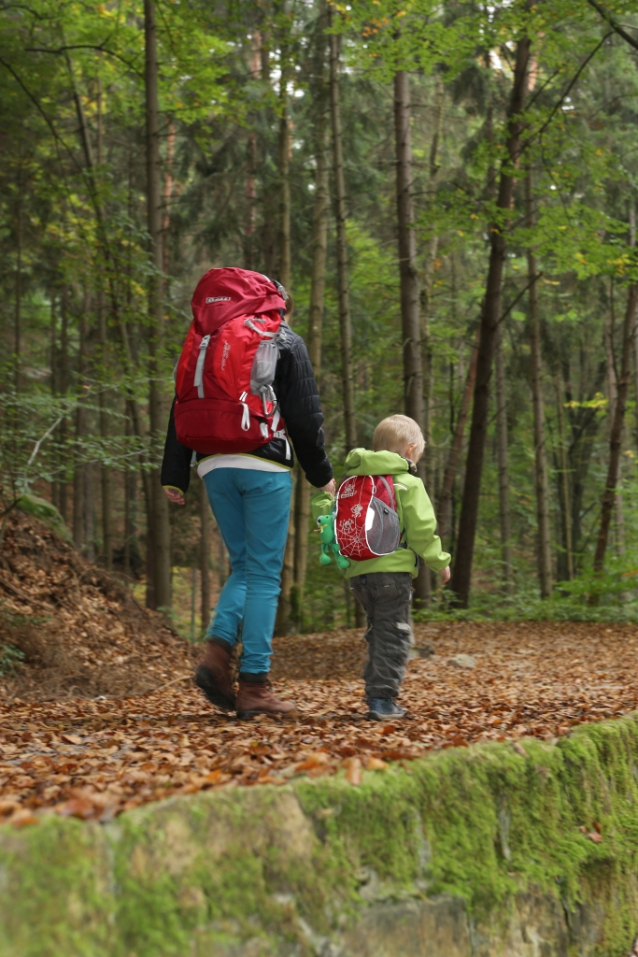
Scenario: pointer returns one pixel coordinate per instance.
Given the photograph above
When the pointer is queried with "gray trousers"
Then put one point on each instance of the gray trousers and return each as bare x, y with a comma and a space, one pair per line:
385, 597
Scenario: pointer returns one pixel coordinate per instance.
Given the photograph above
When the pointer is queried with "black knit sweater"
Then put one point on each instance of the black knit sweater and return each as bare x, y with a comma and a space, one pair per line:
296, 390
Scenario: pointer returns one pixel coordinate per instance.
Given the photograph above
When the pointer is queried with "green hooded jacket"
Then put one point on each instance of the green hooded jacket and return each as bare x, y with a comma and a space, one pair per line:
416, 515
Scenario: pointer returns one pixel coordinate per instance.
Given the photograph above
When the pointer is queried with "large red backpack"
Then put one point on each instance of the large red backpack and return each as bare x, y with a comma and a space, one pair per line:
366, 519
225, 401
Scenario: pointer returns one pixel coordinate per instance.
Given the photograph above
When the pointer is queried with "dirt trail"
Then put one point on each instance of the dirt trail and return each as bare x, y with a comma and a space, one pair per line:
95, 758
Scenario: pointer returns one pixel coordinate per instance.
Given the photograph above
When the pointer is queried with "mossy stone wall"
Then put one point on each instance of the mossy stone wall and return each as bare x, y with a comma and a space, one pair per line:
473, 851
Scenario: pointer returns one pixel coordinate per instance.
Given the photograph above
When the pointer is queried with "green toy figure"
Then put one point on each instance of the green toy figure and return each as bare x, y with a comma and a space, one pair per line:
329, 545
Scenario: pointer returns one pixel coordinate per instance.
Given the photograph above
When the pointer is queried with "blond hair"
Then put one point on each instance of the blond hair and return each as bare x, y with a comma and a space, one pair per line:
395, 432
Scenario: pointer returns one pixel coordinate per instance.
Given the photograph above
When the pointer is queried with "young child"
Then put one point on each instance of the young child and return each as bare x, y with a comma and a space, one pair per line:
383, 586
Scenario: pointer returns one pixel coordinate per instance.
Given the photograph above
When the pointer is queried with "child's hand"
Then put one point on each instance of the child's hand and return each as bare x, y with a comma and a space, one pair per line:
445, 575
174, 495
330, 488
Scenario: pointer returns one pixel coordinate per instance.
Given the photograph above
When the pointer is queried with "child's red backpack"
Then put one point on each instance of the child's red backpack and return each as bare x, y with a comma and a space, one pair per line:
366, 520
225, 401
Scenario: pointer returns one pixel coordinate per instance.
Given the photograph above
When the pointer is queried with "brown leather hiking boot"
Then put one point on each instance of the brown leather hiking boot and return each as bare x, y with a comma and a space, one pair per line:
213, 676
255, 697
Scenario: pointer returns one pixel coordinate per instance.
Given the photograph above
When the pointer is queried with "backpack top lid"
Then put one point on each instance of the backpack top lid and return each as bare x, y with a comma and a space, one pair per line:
225, 293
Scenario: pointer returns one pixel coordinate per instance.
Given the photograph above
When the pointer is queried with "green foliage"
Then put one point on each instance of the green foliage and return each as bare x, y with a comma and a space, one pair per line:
74, 321
10, 659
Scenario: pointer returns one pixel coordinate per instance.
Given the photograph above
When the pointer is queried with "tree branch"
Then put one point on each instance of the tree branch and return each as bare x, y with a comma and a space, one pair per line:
616, 27
572, 83
534, 279
99, 48
46, 118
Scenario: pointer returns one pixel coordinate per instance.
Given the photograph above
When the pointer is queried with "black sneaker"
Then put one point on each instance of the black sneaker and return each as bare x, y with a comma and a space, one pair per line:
383, 708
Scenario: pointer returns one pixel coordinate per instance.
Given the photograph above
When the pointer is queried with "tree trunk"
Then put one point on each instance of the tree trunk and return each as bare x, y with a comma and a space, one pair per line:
79, 484
409, 282
444, 511
462, 572
159, 592
89, 512
503, 465
118, 319
427, 290
317, 287
204, 555
64, 388
288, 603
615, 439
17, 320
105, 471
347, 379
564, 484
250, 199
53, 349
430, 264
268, 203
541, 481
284, 276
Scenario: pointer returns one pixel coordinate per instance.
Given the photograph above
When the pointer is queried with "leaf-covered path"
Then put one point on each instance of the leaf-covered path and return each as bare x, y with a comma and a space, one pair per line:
95, 758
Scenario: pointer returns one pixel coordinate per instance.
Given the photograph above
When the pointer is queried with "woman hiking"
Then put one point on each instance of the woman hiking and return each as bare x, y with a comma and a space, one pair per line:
245, 391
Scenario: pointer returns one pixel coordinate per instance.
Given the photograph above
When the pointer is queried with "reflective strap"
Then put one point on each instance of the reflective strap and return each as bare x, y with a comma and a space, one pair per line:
282, 435
266, 335
198, 381
275, 420
263, 428
245, 419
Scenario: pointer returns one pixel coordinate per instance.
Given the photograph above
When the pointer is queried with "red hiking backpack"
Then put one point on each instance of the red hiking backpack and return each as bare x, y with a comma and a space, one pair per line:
225, 401
366, 519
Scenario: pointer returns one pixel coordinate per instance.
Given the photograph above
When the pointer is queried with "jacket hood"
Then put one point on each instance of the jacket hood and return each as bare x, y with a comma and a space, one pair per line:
365, 462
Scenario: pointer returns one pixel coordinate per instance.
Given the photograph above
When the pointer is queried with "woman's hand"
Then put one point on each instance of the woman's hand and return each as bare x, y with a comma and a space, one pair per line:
175, 496
330, 488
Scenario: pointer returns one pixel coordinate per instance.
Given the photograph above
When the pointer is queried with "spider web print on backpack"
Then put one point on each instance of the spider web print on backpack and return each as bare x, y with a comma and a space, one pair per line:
225, 401
366, 519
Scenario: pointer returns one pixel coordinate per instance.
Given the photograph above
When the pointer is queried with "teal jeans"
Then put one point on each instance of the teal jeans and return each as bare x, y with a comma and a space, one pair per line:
251, 509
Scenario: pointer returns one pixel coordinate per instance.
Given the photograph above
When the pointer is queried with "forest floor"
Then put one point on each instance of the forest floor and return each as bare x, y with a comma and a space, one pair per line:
100, 715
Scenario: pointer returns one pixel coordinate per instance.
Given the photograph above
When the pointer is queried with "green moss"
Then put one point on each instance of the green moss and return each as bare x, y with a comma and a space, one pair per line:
484, 824
47, 513
55, 897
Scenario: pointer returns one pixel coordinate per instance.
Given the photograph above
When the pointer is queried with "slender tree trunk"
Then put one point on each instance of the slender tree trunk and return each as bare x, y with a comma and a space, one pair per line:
444, 510
79, 471
64, 388
317, 287
410, 320
53, 348
462, 572
288, 603
204, 555
159, 594
615, 439
612, 384
503, 465
285, 268
250, 199
17, 321
89, 513
347, 378
269, 197
427, 288
409, 281
120, 323
564, 484
541, 480
167, 194
105, 471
